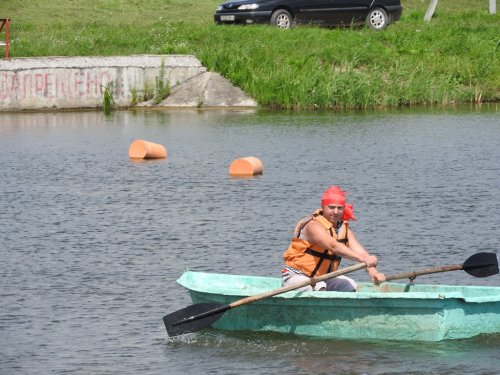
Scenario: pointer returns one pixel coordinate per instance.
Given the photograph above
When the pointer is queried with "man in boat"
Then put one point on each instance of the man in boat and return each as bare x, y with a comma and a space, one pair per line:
321, 240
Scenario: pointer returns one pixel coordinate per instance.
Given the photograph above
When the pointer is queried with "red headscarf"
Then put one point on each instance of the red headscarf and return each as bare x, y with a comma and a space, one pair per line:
335, 195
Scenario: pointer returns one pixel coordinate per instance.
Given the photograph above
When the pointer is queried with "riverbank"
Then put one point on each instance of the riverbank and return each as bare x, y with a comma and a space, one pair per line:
452, 59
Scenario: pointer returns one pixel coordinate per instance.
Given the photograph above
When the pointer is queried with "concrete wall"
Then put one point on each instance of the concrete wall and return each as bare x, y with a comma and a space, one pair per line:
78, 82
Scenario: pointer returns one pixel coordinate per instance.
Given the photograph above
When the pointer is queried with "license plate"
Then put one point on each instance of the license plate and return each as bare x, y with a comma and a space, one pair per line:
227, 18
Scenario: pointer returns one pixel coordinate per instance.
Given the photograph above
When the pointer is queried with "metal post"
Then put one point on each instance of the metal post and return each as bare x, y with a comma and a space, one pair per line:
7, 39
4, 22
493, 6
430, 10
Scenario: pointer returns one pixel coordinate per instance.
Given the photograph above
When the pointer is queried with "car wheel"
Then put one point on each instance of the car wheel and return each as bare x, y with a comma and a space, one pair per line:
377, 19
282, 19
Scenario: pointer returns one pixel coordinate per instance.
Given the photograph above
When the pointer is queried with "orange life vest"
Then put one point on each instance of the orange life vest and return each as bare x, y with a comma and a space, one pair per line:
308, 257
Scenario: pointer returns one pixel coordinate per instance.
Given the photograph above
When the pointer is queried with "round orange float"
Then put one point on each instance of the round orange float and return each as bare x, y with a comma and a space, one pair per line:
249, 166
140, 149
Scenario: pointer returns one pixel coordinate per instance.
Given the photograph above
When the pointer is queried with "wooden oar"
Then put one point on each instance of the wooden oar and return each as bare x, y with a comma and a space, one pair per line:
477, 265
203, 315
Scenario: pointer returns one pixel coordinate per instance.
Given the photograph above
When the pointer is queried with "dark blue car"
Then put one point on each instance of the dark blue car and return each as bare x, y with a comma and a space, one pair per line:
284, 14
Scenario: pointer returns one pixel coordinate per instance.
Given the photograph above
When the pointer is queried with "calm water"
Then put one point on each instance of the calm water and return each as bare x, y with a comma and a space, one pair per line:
92, 243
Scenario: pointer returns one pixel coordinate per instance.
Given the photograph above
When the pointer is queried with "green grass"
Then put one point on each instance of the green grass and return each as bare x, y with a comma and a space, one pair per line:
452, 59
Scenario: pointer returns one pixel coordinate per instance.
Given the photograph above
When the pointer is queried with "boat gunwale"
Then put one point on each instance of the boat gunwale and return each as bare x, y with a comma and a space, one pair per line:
360, 295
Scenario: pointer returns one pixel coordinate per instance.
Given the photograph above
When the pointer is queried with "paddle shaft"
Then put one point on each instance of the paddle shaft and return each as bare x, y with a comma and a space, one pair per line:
413, 274
289, 288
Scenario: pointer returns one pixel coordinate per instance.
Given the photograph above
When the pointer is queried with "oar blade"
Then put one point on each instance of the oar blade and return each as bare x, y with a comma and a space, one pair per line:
193, 318
481, 265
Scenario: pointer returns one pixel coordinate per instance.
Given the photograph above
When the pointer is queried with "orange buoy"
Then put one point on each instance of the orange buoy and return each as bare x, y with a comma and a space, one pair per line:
140, 149
249, 166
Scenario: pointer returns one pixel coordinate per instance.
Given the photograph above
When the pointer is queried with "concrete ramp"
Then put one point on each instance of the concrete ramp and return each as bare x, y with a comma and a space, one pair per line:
207, 90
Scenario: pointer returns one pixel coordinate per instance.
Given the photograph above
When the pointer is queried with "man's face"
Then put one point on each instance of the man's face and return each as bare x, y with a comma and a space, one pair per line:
333, 212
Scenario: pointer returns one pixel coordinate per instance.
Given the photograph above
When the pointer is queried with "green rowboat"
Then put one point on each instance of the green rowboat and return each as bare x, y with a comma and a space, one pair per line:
390, 311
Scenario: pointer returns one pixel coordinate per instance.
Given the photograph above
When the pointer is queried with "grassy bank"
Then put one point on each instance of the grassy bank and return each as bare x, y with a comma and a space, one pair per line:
452, 59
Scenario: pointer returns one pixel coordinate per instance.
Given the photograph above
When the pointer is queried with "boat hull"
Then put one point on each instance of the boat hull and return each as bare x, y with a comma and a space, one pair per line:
392, 311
